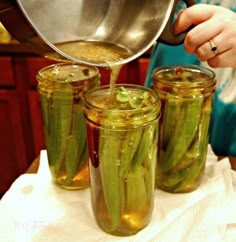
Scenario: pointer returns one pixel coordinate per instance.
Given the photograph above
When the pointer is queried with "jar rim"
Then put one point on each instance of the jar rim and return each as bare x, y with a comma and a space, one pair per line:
116, 117
130, 86
210, 81
82, 67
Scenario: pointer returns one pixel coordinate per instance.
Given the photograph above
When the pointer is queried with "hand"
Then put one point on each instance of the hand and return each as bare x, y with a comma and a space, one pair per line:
210, 23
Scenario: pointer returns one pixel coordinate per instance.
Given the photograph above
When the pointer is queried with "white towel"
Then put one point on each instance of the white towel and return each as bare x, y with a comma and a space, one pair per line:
35, 210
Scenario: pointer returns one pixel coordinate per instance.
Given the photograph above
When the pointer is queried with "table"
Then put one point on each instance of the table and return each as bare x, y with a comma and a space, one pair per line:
35, 164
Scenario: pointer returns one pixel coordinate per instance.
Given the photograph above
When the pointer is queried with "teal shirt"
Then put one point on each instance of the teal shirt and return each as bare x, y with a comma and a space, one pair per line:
223, 119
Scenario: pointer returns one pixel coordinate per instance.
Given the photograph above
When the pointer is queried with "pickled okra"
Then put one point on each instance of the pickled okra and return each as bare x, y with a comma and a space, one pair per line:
123, 194
65, 132
195, 172
171, 111
61, 88
136, 197
183, 134
77, 141
62, 125
131, 141
144, 145
109, 150
186, 97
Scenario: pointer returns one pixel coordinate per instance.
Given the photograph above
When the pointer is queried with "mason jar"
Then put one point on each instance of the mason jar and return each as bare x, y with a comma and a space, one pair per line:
186, 95
62, 88
122, 127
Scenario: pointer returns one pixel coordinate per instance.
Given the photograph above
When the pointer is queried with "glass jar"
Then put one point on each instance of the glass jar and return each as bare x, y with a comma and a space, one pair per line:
122, 127
62, 88
186, 95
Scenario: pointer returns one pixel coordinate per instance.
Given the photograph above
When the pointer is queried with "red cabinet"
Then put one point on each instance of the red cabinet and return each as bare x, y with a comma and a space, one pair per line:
19, 116
13, 152
6, 71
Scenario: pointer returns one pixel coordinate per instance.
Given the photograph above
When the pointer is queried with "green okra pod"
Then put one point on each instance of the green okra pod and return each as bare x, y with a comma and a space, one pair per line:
84, 157
192, 154
144, 146
170, 180
129, 147
183, 134
76, 143
47, 120
150, 164
195, 171
61, 127
136, 194
191, 174
110, 142
171, 112
46, 105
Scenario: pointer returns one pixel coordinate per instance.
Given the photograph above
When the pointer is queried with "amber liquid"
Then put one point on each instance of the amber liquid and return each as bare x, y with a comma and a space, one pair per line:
80, 180
96, 52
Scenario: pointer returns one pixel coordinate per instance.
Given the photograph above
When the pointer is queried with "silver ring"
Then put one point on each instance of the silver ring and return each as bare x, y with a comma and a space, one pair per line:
213, 46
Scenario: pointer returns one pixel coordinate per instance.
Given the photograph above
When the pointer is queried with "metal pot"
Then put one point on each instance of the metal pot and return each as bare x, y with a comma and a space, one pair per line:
133, 24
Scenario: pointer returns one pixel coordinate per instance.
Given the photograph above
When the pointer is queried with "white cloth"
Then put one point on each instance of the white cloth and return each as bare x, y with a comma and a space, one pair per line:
35, 210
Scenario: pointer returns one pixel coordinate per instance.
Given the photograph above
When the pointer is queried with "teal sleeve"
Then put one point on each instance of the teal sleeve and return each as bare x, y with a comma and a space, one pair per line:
223, 127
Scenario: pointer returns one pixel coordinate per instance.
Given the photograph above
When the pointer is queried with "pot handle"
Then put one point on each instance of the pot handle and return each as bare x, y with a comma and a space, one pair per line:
167, 36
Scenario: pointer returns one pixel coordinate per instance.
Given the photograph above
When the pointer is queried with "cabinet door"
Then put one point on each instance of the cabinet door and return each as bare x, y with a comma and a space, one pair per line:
13, 158
7, 78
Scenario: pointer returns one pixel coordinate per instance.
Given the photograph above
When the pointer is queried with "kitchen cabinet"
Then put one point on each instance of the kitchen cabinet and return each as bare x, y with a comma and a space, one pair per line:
17, 147
21, 124
13, 152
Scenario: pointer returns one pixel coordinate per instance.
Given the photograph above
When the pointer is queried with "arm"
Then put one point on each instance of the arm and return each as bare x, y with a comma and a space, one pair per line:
210, 23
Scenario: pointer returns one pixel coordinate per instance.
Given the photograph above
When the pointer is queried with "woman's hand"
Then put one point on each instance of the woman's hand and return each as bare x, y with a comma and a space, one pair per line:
214, 27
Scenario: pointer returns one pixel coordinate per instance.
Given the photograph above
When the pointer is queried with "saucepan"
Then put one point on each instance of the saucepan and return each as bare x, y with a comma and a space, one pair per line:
131, 24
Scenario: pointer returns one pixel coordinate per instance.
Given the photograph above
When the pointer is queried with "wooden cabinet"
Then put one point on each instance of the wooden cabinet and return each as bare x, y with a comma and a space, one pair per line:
21, 123
6, 71
20, 126
13, 152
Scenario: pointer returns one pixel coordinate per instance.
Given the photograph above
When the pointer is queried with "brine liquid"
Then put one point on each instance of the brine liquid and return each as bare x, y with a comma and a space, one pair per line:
80, 179
96, 52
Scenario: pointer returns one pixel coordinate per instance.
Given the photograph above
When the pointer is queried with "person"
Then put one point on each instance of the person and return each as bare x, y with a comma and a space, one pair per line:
211, 42
214, 37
